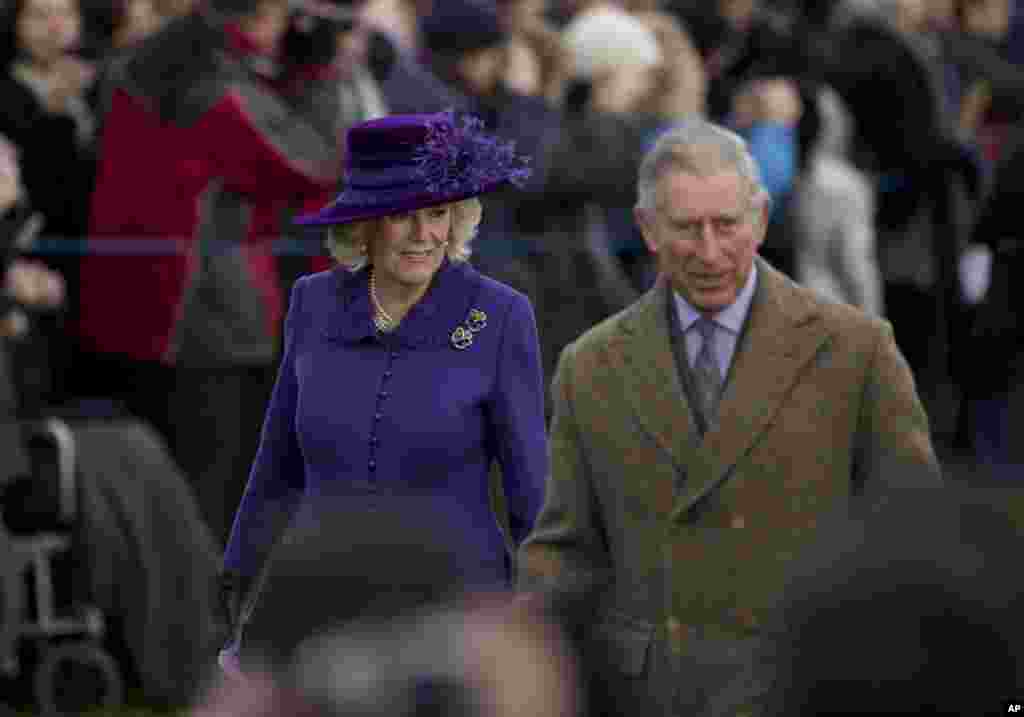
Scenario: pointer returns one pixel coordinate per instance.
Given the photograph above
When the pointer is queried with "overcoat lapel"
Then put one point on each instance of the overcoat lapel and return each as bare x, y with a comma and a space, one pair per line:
641, 354
783, 334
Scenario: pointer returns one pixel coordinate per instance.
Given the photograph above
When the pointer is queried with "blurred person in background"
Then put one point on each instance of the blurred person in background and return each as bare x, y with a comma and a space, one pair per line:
537, 62
766, 112
193, 349
990, 367
833, 208
925, 176
680, 93
231, 331
742, 40
623, 67
47, 116
401, 60
25, 281
699, 434
24, 284
879, 619
142, 554
406, 374
547, 240
371, 613
114, 28
993, 81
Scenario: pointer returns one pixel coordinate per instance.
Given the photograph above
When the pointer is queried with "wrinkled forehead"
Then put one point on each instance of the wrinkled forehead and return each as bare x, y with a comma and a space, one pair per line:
49, 6
686, 192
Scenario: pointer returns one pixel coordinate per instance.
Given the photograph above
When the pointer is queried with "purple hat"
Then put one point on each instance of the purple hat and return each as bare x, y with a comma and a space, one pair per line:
401, 163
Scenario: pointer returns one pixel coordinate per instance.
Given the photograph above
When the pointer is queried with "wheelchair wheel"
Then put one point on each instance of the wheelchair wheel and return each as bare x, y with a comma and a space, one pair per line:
11, 607
74, 677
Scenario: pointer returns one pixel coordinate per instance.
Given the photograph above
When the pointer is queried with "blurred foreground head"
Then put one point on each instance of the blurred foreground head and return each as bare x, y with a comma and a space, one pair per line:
914, 610
368, 614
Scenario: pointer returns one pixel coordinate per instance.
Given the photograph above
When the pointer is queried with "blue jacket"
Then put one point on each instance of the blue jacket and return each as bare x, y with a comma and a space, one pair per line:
357, 418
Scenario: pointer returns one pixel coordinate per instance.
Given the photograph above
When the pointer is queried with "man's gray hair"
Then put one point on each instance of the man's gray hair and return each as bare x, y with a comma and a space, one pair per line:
700, 148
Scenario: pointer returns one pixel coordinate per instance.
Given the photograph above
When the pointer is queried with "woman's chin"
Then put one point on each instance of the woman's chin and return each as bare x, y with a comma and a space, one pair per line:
416, 272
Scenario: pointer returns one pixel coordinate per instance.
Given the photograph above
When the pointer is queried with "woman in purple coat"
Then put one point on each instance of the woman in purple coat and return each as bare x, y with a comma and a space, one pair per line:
405, 373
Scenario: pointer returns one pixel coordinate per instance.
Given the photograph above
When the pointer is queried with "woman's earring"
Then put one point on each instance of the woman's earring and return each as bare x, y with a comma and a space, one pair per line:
362, 248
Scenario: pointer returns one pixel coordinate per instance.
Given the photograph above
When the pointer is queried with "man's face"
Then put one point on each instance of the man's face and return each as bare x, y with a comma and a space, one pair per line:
705, 232
739, 13
990, 18
480, 71
46, 29
266, 26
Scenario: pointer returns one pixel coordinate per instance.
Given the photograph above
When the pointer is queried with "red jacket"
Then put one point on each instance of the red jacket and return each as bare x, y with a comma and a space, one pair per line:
161, 152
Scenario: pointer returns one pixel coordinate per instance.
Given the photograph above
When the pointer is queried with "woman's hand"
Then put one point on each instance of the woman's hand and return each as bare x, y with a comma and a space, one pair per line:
32, 284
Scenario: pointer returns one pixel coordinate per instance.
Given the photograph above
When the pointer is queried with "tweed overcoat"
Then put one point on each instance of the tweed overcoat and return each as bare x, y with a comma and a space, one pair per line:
691, 536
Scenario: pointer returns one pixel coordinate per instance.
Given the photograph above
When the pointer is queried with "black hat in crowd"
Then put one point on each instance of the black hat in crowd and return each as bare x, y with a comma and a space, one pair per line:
455, 27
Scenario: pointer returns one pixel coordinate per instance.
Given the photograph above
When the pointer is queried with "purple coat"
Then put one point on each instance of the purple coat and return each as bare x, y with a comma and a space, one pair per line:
359, 418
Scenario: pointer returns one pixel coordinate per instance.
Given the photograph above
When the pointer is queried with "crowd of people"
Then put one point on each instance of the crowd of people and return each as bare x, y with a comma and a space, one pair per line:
173, 171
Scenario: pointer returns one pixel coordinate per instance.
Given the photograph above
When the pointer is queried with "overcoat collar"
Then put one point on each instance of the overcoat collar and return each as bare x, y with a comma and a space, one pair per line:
783, 333
452, 293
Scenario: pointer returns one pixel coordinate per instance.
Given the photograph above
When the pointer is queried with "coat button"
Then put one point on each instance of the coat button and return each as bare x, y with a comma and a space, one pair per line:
372, 465
387, 374
677, 634
746, 618
377, 416
374, 440
384, 394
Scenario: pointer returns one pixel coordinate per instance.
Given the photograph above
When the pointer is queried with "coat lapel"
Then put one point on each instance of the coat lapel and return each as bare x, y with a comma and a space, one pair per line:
783, 334
641, 353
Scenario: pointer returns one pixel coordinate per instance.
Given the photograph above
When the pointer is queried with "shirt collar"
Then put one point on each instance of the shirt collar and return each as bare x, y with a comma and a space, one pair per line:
730, 318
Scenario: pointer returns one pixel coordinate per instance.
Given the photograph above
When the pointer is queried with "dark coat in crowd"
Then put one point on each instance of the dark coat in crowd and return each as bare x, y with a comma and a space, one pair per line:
992, 358
15, 460
687, 539
771, 47
58, 165
146, 559
580, 281
877, 618
176, 140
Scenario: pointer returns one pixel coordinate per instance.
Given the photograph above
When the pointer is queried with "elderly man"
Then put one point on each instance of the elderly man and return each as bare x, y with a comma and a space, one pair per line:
701, 433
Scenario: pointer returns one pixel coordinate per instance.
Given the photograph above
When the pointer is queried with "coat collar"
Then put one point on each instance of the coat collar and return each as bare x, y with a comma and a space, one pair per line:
783, 333
452, 293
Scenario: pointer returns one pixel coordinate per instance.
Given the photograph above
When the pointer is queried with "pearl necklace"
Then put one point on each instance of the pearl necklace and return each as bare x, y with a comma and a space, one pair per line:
381, 319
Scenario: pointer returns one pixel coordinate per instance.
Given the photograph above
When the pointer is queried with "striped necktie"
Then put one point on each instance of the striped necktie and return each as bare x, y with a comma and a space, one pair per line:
706, 375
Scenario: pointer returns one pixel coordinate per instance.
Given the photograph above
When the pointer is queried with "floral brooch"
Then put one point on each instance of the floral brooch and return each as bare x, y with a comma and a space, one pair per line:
462, 336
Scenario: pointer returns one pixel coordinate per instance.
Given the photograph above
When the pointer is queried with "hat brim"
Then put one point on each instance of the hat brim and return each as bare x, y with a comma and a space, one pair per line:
355, 206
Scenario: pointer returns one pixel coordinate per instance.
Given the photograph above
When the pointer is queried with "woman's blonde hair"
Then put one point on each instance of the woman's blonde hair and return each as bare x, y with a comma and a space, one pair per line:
347, 242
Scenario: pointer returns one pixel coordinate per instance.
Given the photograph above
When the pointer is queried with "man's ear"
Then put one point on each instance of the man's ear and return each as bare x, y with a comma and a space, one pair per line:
764, 215
644, 219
